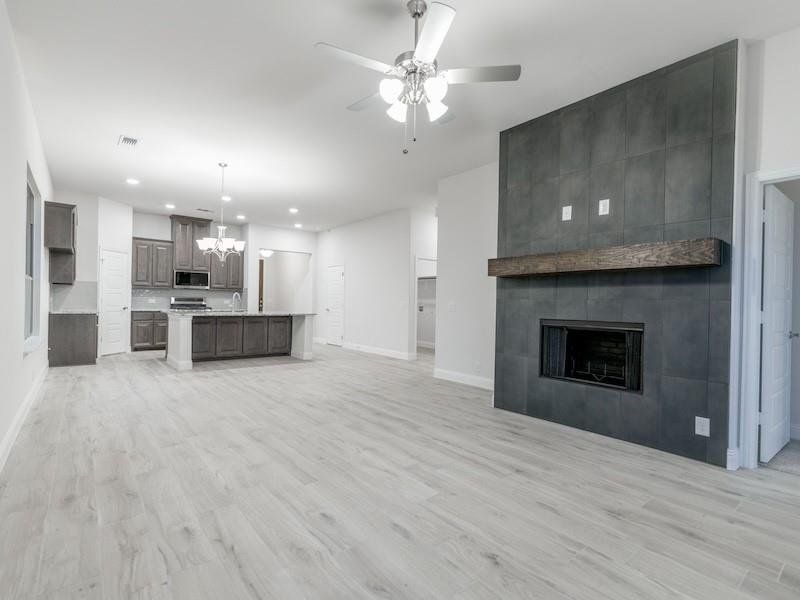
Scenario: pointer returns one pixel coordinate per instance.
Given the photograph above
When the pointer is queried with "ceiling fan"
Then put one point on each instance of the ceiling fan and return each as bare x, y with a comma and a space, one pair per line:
415, 78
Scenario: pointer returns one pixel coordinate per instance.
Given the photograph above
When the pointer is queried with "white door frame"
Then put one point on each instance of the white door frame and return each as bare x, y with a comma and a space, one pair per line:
745, 332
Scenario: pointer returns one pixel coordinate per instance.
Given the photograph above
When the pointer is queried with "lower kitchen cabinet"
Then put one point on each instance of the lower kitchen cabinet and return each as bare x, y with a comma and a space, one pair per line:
229, 336
204, 338
254, 336
148, 330
238, 337
72, 339
279, 338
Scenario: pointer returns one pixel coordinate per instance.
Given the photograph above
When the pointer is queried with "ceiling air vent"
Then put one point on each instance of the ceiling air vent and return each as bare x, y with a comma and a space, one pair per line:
204, 210
125, 140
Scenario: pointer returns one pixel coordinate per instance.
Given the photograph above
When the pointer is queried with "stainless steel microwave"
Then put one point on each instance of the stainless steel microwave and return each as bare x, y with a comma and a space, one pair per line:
195, 280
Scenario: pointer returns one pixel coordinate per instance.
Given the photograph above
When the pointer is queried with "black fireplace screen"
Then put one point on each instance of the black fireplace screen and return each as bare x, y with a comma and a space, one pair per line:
593, 352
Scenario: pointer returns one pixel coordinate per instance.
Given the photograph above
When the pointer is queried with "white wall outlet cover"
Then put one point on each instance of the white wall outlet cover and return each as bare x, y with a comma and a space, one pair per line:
566, 213
603, 207
702, 426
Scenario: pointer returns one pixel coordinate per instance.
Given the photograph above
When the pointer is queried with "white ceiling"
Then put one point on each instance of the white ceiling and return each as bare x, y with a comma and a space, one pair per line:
201, 81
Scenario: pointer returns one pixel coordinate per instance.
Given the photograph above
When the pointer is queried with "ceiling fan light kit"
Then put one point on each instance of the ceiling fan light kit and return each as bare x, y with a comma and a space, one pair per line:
415, 79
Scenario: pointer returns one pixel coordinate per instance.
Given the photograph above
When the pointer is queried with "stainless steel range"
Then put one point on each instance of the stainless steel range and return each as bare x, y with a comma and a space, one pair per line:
192, 304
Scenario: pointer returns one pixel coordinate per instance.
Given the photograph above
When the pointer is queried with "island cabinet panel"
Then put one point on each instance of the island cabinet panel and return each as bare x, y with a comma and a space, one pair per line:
204, 338
229, 336
142, 261
162, 264
254, 336
279, 335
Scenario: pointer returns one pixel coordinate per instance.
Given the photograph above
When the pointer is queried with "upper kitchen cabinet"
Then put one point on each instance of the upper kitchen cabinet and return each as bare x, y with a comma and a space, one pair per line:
227, 275
59, 226
187, 256
59, 237
151, 264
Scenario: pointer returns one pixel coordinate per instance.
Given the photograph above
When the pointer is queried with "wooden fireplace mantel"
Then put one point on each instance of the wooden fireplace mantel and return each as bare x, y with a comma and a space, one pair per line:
706, 252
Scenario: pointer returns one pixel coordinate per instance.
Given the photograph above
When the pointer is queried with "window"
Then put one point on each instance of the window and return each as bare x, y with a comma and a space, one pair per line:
32, 261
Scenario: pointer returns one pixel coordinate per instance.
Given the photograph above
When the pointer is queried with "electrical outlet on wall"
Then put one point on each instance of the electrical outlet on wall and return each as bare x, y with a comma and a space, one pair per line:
603, 207
702, 426
566, 213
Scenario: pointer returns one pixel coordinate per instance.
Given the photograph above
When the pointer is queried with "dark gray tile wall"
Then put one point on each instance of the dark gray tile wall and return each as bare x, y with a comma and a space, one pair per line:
661, 149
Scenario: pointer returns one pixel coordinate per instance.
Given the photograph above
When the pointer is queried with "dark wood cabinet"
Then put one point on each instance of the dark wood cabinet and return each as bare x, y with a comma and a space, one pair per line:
59, 226
151, 263
59, 238
148, 330
254, 336
229, 336
279, 335
227, 275
185, 232
234, 337
162, 264
235, 272
72, 339
204, 335
142, 263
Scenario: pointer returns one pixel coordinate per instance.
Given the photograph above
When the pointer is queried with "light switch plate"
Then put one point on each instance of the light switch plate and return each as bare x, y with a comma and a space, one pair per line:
702, 426
604, 206
566, 213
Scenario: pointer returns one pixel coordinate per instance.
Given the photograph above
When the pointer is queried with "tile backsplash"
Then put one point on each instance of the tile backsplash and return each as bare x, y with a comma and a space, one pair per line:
158, 299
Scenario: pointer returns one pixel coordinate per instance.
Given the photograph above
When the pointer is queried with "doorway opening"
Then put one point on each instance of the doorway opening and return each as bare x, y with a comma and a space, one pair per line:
779, 398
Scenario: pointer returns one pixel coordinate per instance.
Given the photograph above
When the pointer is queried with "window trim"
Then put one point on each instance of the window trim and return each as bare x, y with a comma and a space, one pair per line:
33, 339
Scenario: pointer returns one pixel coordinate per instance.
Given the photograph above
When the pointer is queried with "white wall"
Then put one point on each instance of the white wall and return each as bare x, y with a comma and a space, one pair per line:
271, 238
378, 289
20, 149
148, 225
466, 296
773, 97
288, 285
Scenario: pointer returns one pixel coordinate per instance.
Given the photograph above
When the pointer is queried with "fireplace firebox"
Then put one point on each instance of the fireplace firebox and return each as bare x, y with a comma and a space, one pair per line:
593, 352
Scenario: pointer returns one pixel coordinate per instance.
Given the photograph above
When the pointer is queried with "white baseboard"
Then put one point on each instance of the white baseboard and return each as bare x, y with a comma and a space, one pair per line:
732, 463
795, 432
428, 345
19, 418
320, 340
380, 351
485, 383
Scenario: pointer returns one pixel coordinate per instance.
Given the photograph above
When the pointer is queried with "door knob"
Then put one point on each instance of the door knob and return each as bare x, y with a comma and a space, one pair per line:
793, 334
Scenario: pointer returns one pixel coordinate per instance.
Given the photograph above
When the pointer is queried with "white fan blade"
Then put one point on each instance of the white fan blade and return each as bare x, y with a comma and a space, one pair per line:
437, 24
483, 74
352, 57
364, 103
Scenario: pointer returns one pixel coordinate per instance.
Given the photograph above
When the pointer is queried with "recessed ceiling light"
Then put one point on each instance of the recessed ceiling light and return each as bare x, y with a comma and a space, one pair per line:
241, 217
294, 211
132, 181
169, 206
226, 198
298, 225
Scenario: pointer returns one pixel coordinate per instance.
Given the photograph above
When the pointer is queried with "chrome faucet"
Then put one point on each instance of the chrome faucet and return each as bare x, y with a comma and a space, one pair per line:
236, 296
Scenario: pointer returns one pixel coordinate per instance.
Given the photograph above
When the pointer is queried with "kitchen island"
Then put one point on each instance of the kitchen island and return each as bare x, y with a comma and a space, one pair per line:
216, 335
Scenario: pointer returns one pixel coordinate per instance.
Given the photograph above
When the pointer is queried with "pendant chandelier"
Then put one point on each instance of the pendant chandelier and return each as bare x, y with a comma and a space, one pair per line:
221, 246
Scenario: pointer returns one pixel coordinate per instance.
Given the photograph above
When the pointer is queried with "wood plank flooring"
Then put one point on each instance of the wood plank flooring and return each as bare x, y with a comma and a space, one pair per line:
353, 476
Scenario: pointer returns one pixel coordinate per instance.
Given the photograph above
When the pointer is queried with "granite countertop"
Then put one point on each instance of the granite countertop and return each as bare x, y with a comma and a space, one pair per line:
73, 311
231, 313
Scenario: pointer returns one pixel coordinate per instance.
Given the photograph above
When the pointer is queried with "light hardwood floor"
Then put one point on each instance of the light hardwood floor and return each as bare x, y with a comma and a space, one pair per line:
355, 476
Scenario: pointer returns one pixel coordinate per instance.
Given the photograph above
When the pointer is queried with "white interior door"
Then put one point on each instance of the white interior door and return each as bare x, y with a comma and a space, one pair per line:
115, 293
776, 349
335, 305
